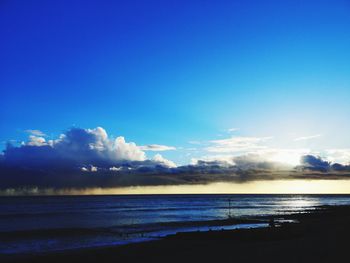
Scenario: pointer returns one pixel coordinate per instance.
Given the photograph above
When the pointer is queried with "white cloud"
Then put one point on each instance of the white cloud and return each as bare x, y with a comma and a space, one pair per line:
115, 169
285, 156
91, 146
232, 130
36, 141
160, 159
101, 139
225, 159
99, 143
237, 144
36, 132
81, 143
235, 163
341, 156
127, 151
157, 148
91, 168
304, 138
289, 157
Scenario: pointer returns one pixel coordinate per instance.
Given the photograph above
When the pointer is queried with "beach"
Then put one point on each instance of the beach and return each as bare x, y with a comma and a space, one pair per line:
175, 131
319, 236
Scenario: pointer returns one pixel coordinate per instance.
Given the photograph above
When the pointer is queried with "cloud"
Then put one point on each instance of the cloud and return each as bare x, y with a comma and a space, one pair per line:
89, 158
36, 141
314, 162
317, 163
91, 168
36, 133
93, 145
304, 138
222, 159
157, 148
232, 130
256, 161
237, 144
76, 146
126, 151
341, 156
250, 167
241, 162
160, 159
286, 156
116, 169
79, 158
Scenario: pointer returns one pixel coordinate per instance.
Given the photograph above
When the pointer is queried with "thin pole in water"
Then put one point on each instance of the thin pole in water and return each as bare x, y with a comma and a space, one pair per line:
229, 208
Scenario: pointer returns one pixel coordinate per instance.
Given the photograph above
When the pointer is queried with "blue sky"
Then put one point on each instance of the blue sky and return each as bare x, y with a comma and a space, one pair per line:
174, 72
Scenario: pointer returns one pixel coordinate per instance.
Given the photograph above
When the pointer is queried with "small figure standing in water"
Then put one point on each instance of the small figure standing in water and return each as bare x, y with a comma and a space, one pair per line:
272, 222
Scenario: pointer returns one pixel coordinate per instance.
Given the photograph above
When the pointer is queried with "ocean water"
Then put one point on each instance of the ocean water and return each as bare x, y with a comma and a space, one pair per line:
51, 223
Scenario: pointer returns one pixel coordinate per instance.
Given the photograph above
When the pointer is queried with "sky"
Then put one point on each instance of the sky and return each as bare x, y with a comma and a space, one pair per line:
176, 82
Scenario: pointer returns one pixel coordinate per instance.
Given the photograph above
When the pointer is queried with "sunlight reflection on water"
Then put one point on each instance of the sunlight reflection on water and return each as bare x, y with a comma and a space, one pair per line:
299, 204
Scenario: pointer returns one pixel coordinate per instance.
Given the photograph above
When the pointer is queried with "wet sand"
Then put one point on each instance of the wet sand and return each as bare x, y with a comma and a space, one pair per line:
320, 236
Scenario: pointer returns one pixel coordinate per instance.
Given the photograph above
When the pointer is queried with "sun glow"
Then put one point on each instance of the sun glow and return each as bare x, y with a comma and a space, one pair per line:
290, 157
287, 158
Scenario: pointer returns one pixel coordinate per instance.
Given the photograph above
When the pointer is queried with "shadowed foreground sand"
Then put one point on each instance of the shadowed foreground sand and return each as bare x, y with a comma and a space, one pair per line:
322, 236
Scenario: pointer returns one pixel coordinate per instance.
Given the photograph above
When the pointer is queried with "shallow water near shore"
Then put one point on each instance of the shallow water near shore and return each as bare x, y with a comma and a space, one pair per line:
51, 223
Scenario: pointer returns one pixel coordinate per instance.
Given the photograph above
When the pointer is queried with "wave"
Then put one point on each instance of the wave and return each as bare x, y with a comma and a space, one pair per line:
122, 230
131, 209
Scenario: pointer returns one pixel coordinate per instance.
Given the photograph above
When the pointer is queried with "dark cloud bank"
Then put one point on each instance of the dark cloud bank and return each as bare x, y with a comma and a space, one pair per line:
84, 158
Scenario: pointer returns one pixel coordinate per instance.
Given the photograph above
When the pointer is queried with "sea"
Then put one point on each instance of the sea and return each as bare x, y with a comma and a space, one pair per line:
36, 224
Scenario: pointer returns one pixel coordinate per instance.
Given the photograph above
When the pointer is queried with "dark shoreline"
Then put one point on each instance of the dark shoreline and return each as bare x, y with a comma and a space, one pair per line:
320, 236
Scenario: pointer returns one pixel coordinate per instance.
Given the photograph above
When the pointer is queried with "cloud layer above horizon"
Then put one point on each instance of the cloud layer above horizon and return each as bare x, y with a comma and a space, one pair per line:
86, 158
